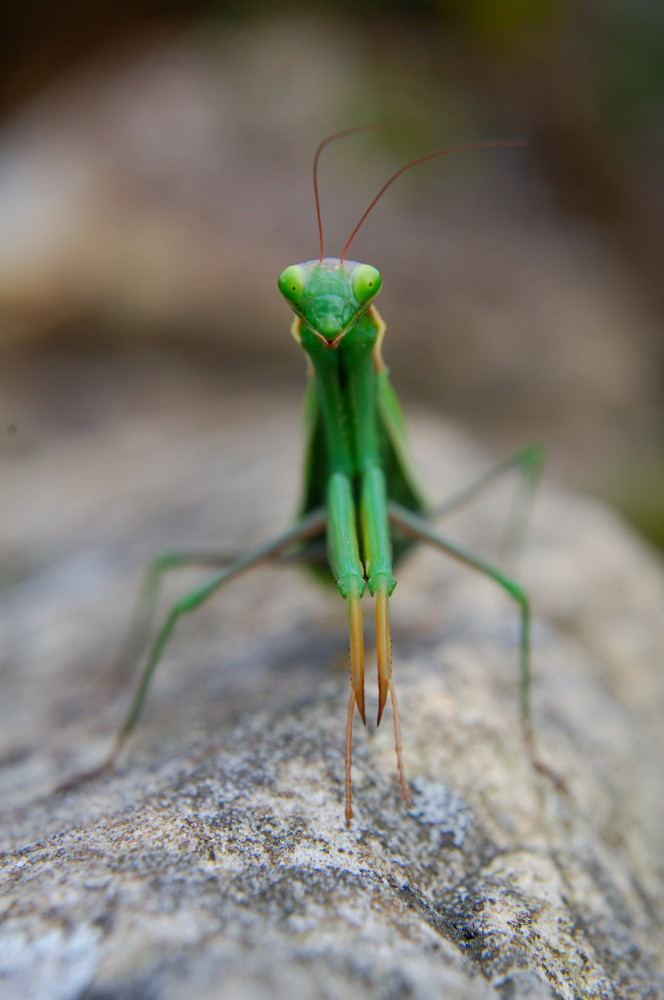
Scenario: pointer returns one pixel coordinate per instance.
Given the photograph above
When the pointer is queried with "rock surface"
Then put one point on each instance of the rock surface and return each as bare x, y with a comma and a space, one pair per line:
214, 860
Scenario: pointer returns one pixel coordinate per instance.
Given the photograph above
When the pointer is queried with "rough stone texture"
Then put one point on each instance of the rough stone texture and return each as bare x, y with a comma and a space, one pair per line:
214, 861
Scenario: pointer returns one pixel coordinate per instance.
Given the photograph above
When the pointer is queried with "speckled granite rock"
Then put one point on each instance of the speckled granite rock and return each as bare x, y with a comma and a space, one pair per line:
214, 861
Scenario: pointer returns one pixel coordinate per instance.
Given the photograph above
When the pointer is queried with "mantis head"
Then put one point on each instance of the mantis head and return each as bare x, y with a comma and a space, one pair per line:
330, 295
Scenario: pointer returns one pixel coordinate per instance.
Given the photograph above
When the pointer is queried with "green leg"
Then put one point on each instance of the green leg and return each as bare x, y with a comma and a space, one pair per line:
377, 546
162, 564
344, 556
309, 526
418, 528
529, 462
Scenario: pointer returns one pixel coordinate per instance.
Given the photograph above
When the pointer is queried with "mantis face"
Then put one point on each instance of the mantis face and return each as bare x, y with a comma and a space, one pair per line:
330, 295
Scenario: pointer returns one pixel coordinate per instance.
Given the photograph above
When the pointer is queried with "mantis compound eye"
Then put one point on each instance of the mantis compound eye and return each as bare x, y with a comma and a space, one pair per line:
291, 284
366, 283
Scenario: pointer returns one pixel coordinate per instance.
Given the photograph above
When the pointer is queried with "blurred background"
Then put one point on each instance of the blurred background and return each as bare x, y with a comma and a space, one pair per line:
155, 162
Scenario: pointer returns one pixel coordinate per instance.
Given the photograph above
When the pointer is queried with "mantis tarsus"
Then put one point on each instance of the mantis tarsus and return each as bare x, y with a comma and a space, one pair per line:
361, 495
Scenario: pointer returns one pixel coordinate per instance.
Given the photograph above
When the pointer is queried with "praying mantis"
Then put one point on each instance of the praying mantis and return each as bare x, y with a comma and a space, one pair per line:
361, 499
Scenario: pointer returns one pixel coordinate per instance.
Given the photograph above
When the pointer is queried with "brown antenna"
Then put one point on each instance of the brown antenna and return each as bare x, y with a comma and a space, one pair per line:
321, 147
413, 163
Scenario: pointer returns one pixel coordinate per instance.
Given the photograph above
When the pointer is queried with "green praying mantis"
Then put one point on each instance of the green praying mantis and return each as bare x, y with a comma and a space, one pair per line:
361, 496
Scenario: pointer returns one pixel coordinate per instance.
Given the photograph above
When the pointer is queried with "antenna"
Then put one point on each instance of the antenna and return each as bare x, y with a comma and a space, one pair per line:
321, 147
487, 143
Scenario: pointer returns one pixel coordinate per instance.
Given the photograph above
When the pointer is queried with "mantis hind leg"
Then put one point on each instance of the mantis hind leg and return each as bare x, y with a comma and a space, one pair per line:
308, 527
141, 620
528, 462
418, 528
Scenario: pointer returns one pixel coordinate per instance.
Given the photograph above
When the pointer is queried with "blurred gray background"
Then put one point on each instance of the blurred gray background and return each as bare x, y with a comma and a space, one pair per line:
155, 162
